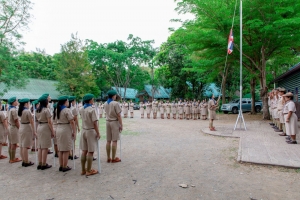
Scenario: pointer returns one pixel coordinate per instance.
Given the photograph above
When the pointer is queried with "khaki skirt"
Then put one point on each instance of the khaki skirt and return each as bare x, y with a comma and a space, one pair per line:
25, 133
142, 110
2, 133
13, 136
212, 114
44, 136
64, 137
54, 128
292, 126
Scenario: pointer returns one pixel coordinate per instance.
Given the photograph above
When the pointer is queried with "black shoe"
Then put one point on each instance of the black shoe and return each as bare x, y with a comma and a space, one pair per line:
66, 169
23, 164
50, 152
39, 167
28, 164
292, 142
46, 167
272, 124
56, 156
60, 169
94, 158
71, 157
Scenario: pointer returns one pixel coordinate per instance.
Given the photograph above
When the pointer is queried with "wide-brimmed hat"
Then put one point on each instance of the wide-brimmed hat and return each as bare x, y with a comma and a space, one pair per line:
282, 90
289, 94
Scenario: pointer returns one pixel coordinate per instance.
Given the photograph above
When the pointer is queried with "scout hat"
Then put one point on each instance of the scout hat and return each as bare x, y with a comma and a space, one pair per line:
25, 100
282, 90
289, 94
88, 97
63, 98
11, 100
43, 98
111, 93
72, 98
35, 102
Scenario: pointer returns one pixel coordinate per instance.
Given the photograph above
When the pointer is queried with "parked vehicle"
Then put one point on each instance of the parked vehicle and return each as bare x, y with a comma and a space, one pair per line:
136, 107
234, 106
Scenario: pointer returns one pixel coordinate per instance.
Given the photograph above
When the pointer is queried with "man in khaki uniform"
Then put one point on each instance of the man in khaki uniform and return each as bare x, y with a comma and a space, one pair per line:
114, 126
131, 104
280, 105
14, 126
89, 136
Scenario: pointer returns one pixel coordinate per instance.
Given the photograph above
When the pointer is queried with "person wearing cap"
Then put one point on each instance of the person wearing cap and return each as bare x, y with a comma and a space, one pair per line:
131, 104
162, 110
74, 110
100, 109
154, 106
124, 109
14, 125
3, 130
212, 107
180, 110
114, 126
275, 111
65, 132
90, 135
35, 105
148, 109
290, 117
270, 107
174, 109
280, 105
204, 110
54, 121
142, 109
44, 131
26, 130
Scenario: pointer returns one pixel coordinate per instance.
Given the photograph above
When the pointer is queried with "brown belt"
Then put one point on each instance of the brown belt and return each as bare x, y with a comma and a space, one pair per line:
26, 123
88, 128
43, 122
63, 123
287, 113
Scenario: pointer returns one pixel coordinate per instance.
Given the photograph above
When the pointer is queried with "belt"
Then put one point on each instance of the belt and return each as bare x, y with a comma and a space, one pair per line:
63, 123
43, 122
88, 128
26, 123
11, 124
287, 113
111, 120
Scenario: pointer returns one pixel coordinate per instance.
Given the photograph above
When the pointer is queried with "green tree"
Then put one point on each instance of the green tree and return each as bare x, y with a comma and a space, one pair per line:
74, 72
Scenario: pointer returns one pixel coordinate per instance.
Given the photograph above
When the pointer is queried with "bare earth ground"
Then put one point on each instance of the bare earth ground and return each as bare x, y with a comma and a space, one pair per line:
157, 155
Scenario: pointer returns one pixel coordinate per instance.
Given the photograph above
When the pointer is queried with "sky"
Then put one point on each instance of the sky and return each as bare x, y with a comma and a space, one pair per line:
103, 21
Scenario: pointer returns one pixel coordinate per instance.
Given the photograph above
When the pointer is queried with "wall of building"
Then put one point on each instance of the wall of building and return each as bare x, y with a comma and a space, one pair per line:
292, 84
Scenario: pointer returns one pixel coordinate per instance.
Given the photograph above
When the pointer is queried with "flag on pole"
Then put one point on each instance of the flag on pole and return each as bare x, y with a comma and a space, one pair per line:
230, 43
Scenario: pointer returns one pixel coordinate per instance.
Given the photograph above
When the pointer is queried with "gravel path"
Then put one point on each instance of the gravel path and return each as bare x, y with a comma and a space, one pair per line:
158, 155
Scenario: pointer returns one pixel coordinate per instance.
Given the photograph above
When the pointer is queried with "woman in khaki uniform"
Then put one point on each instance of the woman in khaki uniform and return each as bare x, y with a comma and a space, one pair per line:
184, 108
142, 109
174, 109
131, 104
290, 117
199, 109
180, 110
280, 105
188, 111
148, 104
54, 121
14, 125
125, 109
65, 132
154, 106
100, 110
3, 129
74, 111
45, 132
204, 110
168, 109
26, 131
162, 110
212, 106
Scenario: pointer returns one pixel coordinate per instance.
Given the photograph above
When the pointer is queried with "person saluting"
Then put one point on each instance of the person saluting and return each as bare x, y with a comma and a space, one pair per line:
114, 126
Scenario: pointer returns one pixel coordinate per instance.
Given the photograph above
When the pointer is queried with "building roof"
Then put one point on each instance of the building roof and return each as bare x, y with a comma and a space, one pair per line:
159, 93
33, 89
291, 71
130, 92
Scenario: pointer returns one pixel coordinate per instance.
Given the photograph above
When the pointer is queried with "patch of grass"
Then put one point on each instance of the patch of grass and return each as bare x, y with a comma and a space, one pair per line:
297, 170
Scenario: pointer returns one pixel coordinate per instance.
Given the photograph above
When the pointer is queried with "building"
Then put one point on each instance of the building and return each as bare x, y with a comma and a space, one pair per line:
32, 90
158, 93
129, 95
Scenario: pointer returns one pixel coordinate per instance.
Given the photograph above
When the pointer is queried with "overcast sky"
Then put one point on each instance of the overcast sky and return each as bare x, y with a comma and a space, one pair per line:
100, 20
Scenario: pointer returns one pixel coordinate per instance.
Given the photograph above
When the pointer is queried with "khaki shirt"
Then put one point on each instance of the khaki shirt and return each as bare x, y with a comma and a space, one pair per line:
2, 117
65, 116
112, 110
12, 116
89, 116
280, 103
26, 116
211, 103
44, 115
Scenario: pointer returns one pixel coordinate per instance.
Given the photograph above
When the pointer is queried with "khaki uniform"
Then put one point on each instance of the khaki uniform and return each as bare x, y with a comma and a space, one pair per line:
275, 110
112, 124
13, 136
2, 128
269, 105
212, 111
154, 106
25, 131
125, 109
162, 108
280, 109
88, 140
292, 125
142, 109
131, 107
54, 121
168, 105
101, 109
64, 130
204, 109
43, 130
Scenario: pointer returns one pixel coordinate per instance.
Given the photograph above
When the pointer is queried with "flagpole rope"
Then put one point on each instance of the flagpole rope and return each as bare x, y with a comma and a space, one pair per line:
227, 50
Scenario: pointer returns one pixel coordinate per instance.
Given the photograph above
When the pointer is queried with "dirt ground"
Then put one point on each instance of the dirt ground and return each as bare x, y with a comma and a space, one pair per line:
157, 156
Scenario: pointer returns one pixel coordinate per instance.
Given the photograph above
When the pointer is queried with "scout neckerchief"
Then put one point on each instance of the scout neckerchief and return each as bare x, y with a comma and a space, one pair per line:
109, 100
87, 105
10, 107
213, 100
62, 107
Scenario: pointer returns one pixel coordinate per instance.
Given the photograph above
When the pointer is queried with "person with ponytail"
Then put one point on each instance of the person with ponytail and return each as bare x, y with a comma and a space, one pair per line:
3, 130
26, 131
14, 126
65, 132
54, 120
74, 110
44, 131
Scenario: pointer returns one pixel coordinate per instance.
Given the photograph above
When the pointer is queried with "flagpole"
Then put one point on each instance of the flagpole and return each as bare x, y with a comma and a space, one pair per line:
240, 116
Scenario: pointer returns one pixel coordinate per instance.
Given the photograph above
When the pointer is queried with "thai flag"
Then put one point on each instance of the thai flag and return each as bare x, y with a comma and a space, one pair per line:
230, 43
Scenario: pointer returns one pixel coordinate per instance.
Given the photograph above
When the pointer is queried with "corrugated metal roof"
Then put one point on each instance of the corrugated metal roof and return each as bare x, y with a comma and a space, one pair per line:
291, 84
291, 71
130, 92
159, 92
32, 90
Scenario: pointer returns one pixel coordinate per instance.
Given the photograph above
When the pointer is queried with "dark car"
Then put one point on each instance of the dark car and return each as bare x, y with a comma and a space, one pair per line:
136, 107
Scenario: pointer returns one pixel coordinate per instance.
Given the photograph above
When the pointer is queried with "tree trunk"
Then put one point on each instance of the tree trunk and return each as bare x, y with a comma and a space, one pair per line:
253, 84
263, 86
223, 86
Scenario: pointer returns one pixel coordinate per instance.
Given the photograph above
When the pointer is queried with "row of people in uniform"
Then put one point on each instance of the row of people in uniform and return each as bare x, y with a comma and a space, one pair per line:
59, 128
283, 113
